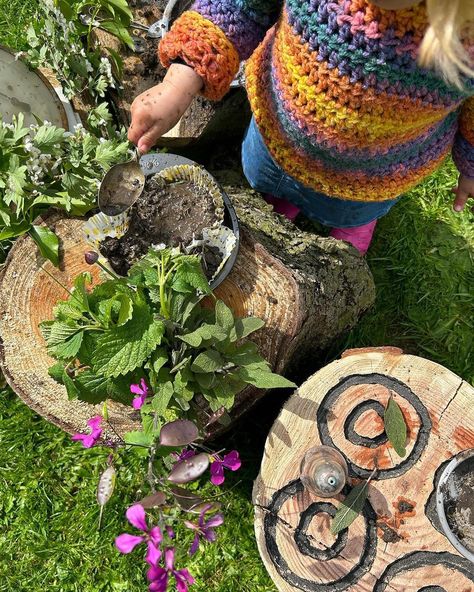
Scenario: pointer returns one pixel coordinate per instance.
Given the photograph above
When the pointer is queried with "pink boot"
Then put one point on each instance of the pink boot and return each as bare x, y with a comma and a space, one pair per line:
282, 206
359, 236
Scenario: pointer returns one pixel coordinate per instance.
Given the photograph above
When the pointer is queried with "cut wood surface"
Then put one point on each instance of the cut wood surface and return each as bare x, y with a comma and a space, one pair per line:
308, 289
395, 544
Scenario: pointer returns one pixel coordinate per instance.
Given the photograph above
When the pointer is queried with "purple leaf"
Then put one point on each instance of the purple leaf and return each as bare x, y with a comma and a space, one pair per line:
190, 502
178, 433
189, 469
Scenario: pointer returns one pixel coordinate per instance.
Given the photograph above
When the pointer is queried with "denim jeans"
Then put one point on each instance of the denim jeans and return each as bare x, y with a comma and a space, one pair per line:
265, 176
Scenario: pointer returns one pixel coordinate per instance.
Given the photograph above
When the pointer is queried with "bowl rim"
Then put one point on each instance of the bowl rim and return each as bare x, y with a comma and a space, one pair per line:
155, 162
445, 475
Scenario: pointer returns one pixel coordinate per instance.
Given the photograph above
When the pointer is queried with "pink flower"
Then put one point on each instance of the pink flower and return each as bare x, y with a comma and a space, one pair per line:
204, 528
141, 390
230, 461
159, 576
170, 532
184, 454
88, 440
125, 543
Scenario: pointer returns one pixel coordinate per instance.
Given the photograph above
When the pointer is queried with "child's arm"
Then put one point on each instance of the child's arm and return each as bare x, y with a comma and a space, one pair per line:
215, 35
208, 42
463, 154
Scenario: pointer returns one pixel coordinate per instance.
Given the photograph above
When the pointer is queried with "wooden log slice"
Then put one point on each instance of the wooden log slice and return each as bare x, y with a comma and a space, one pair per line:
395, 544
307, 289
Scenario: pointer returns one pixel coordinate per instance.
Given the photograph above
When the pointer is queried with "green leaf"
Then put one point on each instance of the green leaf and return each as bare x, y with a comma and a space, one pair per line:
208, 361
71, 389
395, 427
139, 438
124, 348
57, 371
212, 333
91, 387
80, 296
190, 273
119, 31
244, 327
47, 242
59, 331
47, 136
159, 358
350, 508
260, 377
224, 316
162, 398
67, 349
126, 309
245, 354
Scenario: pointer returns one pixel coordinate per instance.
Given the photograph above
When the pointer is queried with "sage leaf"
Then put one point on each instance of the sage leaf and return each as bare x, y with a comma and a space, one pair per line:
162, 397
208, 361
244, 327
395, 427
224, 316
350, 508
263, 378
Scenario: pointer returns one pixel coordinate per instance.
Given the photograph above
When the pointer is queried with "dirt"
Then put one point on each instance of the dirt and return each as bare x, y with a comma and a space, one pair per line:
460, 511
166, 213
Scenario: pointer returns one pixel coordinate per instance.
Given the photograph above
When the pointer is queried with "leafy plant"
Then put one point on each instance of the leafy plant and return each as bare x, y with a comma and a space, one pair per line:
44, 166
153, 326
62, 40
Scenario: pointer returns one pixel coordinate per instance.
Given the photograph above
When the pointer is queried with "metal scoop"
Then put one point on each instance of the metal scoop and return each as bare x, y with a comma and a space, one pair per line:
121, 187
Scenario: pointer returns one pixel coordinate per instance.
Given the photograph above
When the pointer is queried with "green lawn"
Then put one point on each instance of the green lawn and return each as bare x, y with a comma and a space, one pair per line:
422, 260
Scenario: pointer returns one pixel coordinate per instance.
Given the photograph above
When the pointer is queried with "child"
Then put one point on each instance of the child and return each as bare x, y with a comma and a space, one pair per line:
354, 101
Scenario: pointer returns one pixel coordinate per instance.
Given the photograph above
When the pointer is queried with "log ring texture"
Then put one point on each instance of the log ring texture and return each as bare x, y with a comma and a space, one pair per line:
367, 555
401, 389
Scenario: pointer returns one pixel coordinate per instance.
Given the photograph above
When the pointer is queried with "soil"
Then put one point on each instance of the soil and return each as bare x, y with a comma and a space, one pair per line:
460, 511
166, 213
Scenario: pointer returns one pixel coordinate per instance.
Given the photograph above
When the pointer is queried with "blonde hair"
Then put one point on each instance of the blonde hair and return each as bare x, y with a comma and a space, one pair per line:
442, 47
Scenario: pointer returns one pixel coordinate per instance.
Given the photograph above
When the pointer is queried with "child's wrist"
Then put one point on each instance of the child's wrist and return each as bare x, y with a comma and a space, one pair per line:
183, 78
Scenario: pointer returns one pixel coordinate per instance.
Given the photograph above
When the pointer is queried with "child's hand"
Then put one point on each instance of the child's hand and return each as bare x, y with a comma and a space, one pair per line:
158, 109
463, 191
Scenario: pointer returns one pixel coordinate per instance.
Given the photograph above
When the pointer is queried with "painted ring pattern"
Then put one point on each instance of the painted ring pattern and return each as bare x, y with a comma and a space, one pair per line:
349, 425
420, 559
272, 519
400, 388
303, 541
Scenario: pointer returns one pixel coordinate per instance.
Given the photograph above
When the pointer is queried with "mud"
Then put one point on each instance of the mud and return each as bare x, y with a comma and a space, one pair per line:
460, 510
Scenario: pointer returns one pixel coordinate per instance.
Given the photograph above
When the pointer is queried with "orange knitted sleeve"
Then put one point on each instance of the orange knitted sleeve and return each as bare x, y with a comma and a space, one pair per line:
463, 151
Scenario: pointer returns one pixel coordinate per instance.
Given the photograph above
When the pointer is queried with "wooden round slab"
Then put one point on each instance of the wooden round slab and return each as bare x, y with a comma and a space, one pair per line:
395, 545
30, 287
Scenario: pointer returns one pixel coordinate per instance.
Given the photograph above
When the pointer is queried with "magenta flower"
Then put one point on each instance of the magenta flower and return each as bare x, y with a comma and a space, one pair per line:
203, 528
230, 461
141, 390
159, 576
170, 532
125, 543
184, 454
88, 440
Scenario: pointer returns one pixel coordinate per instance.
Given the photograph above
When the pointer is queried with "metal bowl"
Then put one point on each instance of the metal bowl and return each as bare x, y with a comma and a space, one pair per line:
154, 163
447, 483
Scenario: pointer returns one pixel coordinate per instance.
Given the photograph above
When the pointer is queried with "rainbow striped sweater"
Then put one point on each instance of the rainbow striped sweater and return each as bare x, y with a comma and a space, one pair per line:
335, 89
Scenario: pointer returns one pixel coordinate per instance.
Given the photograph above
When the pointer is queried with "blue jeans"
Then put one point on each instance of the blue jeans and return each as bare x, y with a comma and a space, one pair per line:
265, 176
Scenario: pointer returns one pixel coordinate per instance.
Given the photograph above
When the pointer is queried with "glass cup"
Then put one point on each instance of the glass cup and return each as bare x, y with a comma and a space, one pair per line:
323, 471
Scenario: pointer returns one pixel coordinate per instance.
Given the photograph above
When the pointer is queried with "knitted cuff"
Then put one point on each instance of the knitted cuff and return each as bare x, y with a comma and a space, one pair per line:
463, 156
203, 46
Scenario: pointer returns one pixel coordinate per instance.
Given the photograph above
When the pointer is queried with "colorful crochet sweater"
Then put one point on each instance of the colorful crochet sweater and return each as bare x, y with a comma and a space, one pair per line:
335, 89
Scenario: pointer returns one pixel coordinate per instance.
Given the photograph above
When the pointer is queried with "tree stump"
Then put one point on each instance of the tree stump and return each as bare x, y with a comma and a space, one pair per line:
308, 290
395, 544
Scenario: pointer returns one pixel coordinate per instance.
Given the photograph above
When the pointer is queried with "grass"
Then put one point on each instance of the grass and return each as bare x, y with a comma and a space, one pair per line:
422, 260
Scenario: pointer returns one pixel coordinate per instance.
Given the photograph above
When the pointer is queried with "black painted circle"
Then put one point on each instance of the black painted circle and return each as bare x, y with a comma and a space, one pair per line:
424, 559
303, 541
367, 557
330, 400
351, 419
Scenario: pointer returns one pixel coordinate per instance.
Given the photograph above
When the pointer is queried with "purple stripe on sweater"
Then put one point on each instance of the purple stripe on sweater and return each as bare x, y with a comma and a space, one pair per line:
463, 155
243, 32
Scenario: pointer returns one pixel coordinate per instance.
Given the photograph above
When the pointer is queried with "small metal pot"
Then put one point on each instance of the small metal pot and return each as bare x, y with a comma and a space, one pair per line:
447, 485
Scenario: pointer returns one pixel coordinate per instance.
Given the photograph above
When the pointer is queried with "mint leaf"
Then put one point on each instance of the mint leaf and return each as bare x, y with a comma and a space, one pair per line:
190, 273
57, 371
244, 327
126, 309
395, 427
59, 331
208, 361
80, 296
91, 387
124, 348
71, 389
67, 349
